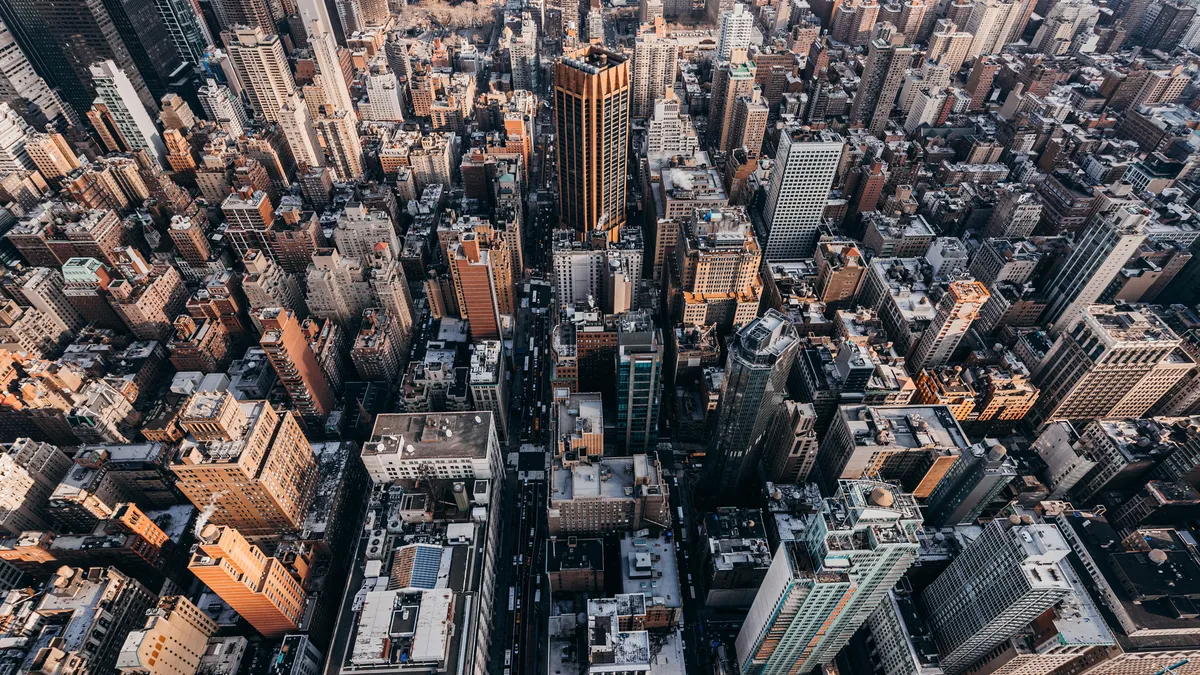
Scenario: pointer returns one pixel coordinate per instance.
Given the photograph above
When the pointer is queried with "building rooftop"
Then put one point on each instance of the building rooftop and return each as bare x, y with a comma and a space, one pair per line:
431, 435
648, 567
909, 426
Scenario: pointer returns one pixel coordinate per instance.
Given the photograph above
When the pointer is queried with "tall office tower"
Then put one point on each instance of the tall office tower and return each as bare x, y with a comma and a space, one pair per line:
591, 104
523, 52
655, 64
51, 154
1001, 582
973, 481
957, 308
173, 640
343, 148
175, 113
262, 68
821, 588
805, 164
852, 22
29, 473
374, 12
979, 83
753, 390
301, 135
715, 277
186, 27
350, 16
384, 102
329, 77
639, 381
736, 27
359, 230
1114, 362
377, 349
42, 289
222, 106
287, 348
266, 284
750, 115
13, 132
259, 588
994, 24
912, 19
791, 446
252, 13
670, 132
20, 83
1096, 259
476, 285
949, 46
68, 36
1171, 20
138, 130
731, 80
887, 62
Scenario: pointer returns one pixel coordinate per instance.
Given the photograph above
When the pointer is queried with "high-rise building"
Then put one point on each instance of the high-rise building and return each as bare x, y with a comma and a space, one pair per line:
65, 38
186, 27
753, 389
261, 66
489, 386
249, 465
266, 284
949, 46
655, 64
51, 154
717, 263
979, 82
732, 80
19, 81
1096, 259
173, 640
736, 27
821, 588
259, 588
1001, 582
287, 349
805, 164
137, 129
29, 473
670, 132
377, 350
476, 285
957, 308
639, 382
994, 24
978, 477
342, 145
791, 448
888, 60
591, 103
222, 106
1115, 362
384, 102
252, 13
42, 289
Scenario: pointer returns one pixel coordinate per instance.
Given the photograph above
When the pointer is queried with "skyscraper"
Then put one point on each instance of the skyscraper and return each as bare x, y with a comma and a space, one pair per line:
116, 91
68, 36
287, 349
250, 463
888, 60
732, 80
958, 307
19, 82
173, 640
343, 147
655, 64
259, 588
329, 78
253, 13
476, 285
262, 68
972, 482
223, 107
994, 23
754, 387
805, 164
591, 102
1114, 362
639, 378
736, 27
820, 589
1096, 259
186, 27
1001, 582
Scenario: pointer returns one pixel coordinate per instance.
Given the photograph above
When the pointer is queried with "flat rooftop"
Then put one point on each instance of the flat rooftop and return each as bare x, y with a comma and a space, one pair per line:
909, 426
431, 435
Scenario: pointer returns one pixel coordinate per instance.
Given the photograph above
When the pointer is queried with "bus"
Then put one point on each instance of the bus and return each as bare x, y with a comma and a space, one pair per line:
507, 658
527, 363
680, 509
512, 594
